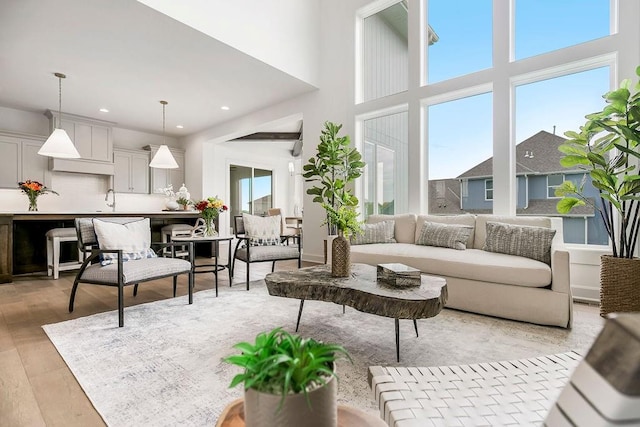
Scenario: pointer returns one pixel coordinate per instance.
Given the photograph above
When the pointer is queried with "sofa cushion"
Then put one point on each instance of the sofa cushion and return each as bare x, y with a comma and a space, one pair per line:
521, 240
472, 264
465, 219
444, 235
481, 225
405, 226
380, 232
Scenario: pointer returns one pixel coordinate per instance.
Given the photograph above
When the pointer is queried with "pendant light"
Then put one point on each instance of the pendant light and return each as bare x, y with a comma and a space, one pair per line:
59, 144
163, 158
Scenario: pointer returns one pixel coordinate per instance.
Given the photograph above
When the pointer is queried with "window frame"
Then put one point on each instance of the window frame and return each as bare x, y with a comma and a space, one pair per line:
488, 182
554, 187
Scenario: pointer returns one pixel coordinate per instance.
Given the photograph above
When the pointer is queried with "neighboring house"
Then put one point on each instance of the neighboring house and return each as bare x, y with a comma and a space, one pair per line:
538, 173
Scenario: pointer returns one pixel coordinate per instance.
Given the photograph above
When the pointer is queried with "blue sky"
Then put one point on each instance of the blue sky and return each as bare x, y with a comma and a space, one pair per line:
462, 129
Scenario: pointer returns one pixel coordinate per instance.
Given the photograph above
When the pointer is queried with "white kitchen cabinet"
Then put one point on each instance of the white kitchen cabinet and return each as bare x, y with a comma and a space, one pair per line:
34, 166
162, 178
92, 137
131, 171
11, 162
20, 159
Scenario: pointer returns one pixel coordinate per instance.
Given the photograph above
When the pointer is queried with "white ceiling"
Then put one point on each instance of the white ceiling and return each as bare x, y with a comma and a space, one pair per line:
124, 56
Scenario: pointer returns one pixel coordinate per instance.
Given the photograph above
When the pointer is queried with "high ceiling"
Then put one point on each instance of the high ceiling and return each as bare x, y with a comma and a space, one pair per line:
126, 57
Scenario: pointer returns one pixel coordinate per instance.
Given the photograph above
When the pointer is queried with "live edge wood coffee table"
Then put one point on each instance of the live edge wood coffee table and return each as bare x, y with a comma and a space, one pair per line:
363, 292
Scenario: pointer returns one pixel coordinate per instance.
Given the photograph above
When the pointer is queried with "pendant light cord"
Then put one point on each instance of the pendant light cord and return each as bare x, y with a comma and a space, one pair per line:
60, 100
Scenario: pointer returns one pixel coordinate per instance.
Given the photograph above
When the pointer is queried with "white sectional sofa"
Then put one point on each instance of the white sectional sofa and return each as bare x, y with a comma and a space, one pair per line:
495, 284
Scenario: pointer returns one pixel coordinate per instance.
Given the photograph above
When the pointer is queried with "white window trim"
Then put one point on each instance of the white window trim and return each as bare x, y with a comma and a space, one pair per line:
486, 181
554, 186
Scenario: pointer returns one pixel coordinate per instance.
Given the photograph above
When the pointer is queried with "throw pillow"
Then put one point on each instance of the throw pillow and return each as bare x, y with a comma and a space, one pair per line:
521, 240
380, 232
452, 236
133, 238
262, 230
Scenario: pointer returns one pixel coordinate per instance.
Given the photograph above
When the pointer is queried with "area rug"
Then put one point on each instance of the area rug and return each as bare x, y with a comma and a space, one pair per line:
165, 368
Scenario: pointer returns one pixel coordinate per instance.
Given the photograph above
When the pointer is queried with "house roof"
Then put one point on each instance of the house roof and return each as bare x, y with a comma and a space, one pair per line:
537, 154
547, 207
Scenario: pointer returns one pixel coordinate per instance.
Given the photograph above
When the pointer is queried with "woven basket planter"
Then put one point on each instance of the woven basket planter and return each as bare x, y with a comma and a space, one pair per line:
619, 284
340, 257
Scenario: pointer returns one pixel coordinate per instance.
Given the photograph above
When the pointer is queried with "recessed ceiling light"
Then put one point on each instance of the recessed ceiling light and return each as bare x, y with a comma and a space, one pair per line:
224, 107
104, 110
180, 126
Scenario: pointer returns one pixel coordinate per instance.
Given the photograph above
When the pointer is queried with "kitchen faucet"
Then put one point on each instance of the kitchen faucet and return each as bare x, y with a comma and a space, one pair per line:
106, 199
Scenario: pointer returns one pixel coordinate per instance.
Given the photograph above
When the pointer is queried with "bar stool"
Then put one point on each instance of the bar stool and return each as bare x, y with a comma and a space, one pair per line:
172, 230
55, 236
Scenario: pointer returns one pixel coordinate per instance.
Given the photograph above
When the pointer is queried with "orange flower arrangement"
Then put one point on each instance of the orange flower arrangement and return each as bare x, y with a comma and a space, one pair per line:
33, 189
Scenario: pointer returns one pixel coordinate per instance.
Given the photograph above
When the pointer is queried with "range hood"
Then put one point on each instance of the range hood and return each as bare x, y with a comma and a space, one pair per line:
93, 167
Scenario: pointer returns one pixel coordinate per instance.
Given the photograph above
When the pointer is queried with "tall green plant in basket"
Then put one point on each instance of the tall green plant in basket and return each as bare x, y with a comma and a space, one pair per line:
607, 147
335, 166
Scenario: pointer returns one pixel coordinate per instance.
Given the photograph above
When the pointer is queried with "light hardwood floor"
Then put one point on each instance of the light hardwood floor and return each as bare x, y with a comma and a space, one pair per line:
36, 387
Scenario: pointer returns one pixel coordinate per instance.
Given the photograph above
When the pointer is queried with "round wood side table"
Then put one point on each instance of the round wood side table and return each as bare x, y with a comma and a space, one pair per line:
233, 416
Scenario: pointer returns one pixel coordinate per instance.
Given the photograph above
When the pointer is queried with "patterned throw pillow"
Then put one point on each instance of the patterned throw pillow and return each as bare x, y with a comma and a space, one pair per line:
133, 238
452, 236
262, 230
526, 241
380, 232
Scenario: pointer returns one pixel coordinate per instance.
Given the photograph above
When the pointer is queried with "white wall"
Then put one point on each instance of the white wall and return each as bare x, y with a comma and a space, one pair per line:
281, 33
334, 102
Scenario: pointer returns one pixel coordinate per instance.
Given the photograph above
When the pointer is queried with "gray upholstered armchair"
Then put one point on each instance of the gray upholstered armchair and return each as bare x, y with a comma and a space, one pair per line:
121, 256
248, 252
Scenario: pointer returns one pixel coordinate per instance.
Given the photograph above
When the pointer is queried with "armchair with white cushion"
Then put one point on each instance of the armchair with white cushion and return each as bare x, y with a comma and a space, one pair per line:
122, 255
260, 240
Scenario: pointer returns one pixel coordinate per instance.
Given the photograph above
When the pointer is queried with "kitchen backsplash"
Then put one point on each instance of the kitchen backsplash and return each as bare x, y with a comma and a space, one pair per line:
80, 193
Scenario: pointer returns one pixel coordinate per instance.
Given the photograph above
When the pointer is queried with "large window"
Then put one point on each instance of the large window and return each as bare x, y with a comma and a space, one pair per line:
251, 190
460, 161
498, 84
384, 52
385, 152
539, 133
459, 38
545, 25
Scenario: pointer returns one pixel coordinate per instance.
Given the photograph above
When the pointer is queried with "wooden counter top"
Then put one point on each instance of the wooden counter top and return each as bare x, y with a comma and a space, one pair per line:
22, 235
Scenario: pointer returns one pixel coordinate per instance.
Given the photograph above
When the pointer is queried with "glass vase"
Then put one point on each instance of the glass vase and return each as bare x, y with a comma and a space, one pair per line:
33, 203
209, 227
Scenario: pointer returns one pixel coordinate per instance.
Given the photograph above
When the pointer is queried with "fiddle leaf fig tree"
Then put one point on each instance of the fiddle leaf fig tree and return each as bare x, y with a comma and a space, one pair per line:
608, 148
335, 166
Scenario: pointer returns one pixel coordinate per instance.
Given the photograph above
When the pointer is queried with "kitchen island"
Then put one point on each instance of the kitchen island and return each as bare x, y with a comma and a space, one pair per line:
23, 243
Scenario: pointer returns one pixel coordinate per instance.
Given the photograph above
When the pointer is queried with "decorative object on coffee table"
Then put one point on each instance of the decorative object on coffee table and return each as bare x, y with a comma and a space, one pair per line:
398, 275
289, 381
345, 218
607, 149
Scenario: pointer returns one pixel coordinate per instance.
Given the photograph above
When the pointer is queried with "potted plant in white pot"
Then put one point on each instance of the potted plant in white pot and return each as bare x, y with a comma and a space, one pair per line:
608, 148
289, 381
